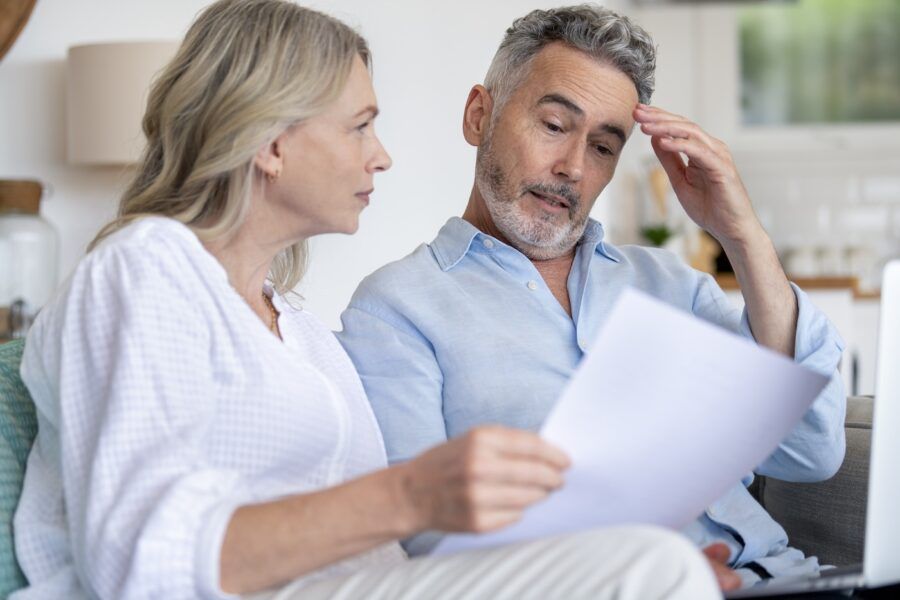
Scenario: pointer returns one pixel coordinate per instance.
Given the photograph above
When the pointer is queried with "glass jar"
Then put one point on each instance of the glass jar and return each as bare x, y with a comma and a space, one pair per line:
29, 256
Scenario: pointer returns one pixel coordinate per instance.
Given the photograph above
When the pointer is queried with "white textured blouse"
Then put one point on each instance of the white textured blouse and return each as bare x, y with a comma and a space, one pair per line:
164, 403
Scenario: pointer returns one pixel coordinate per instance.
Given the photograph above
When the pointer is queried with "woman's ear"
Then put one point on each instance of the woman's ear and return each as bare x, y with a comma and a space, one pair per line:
270, 158
477, 115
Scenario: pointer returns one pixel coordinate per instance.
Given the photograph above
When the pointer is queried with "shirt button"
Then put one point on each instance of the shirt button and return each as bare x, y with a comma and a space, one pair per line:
532, 285
488, 243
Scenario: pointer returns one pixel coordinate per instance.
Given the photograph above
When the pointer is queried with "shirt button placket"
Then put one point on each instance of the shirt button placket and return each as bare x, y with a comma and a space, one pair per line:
532, 285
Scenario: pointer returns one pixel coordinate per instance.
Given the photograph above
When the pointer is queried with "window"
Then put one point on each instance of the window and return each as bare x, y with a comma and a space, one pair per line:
820, 62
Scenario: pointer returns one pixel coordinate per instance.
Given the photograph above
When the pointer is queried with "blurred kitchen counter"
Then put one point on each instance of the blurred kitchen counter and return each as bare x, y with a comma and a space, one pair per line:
728, 282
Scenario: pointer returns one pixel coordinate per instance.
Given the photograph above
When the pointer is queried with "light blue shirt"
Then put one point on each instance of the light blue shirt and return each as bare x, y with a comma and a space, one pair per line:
464, 332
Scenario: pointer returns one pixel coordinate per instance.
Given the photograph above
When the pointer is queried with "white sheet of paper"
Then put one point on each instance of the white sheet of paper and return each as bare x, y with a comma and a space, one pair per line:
663, 415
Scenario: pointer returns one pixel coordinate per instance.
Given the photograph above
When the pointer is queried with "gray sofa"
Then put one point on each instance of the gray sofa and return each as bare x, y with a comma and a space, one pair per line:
828, 519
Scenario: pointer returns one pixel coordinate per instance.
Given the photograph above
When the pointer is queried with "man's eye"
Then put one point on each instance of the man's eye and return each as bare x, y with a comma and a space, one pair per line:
553, 127
603, 150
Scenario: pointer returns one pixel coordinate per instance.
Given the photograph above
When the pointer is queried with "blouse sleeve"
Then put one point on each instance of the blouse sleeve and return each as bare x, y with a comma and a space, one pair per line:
132, 389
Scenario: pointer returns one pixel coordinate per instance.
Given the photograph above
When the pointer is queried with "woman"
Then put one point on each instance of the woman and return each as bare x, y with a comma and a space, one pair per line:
199, 436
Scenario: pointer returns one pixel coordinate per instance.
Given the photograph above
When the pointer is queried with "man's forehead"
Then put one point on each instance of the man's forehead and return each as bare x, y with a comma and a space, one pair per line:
581, 80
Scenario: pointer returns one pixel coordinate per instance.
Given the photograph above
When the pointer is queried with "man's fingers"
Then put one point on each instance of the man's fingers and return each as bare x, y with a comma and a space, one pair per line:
688, 138
671, 162
645, 113
677, 129
718, 555
700, 154
727, 578
718, 552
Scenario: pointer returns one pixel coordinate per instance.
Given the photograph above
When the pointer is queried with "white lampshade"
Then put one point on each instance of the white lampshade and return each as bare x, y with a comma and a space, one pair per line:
107, 95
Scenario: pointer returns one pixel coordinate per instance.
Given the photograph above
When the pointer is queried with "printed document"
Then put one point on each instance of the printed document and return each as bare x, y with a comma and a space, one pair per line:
663, 415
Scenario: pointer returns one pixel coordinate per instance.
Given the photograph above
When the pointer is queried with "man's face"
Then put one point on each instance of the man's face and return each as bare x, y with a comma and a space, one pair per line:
553, 148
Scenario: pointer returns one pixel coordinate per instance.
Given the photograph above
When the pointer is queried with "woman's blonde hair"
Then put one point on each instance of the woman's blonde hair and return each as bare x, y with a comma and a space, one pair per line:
246, 71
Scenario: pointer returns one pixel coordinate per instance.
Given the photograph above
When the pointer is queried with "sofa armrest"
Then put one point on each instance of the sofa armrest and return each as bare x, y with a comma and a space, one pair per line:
827, 519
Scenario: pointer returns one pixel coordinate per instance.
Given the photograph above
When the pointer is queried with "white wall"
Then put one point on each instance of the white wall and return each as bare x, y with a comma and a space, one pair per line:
427, 56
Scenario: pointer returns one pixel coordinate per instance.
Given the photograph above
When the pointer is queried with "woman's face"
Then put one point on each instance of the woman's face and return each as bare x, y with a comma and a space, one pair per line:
328, 162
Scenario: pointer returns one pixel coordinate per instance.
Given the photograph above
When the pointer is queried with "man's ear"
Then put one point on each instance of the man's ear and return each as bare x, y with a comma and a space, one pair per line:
270, 158
477, 115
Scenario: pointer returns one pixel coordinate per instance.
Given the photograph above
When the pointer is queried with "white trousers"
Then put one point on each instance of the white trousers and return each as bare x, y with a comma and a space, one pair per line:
622, 563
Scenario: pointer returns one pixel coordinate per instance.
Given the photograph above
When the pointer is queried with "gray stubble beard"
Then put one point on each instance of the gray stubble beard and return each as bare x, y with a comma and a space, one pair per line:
537, 238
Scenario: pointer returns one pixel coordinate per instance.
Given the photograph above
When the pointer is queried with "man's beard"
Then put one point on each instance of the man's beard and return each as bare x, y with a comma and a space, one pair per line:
538, 237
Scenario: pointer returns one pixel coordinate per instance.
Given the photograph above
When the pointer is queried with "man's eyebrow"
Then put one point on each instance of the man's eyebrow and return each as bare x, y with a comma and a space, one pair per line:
369, 109
574, 108
615, 130
559, 99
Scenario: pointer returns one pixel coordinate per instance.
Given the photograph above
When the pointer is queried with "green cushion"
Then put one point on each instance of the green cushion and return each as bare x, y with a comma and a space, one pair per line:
18, 426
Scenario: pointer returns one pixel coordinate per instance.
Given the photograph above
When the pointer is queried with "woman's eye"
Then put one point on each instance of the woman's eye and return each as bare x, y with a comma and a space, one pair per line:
362, 128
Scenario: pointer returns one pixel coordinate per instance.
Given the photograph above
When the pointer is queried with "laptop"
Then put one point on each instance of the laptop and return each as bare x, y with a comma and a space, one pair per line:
881, 554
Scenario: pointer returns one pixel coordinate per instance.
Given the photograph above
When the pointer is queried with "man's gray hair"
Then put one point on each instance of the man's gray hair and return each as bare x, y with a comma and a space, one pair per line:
601, 33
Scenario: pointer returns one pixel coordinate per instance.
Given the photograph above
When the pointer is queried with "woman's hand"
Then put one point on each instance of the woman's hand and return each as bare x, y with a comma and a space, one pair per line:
480, 481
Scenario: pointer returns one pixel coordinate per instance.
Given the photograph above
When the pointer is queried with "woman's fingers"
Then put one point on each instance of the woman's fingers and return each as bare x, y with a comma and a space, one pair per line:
518, 472
494, 519
484, 479
521, 444
494, 496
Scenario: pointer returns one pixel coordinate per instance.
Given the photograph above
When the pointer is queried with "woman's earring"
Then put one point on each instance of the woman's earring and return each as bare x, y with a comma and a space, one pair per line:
273, 177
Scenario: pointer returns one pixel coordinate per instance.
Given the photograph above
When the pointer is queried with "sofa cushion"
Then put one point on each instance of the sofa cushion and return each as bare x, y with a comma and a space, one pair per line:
18, 427
828, 519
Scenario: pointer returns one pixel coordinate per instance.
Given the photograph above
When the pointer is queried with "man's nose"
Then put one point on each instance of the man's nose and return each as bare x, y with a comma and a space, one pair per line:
571, 164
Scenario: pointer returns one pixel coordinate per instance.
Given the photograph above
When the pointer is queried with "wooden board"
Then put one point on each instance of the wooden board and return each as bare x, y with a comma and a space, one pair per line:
13, 16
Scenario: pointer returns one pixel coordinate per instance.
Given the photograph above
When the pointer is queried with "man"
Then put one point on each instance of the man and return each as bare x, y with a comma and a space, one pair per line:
486, 323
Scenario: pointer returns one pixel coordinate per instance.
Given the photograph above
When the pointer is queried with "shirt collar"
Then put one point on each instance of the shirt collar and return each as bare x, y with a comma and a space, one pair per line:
455, 238
593, 236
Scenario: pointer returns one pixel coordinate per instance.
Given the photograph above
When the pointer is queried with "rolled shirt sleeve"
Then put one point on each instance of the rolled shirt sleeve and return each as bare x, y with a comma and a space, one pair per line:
814, 450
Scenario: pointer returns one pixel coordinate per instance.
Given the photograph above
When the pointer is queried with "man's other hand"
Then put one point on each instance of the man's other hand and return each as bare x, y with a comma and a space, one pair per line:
717, 555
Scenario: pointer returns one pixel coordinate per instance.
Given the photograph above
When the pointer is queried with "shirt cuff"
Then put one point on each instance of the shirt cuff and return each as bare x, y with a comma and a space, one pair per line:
209, 550
817, 344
